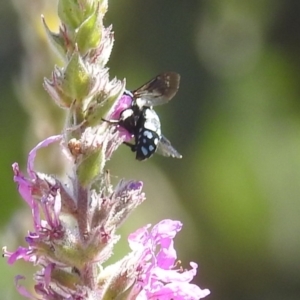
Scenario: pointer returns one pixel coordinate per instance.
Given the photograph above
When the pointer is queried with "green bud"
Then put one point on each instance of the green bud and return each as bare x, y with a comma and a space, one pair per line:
74, 254
70, 13
76, 82
119, 283
67, 279
73, 12
90, 167
100, 108
89, 33
113, 293
57, 94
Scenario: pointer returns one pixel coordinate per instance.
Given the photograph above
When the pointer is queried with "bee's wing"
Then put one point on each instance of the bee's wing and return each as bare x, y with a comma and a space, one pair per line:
158, 91
165, 148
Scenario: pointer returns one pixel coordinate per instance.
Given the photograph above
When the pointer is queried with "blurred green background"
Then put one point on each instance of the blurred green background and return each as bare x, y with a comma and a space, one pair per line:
235, 119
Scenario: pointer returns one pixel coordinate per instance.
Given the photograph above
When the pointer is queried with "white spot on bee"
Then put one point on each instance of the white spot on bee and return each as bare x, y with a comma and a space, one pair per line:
150, 114
140, 130
151, 120
144, 150
151, 148
144, 141
139, 102
148, 134
156, 141
127, 113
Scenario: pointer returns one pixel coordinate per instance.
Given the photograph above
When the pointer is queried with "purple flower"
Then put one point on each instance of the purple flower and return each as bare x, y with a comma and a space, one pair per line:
150, 271
123, 103
159, 275
38, 191
68, 258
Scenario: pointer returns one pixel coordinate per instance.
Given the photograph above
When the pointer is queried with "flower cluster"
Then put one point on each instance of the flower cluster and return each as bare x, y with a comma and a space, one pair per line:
75, 222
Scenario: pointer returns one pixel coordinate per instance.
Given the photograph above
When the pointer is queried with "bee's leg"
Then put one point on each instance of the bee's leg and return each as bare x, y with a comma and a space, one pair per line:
131, 146
116, 122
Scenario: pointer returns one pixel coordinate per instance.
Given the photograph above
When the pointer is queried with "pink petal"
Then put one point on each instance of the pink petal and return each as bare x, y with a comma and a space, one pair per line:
22, 290
174, 275
24, 186
123, 103
183, 291
166, 257
47, 275
32, 153
138, 238
166, 229
23, 253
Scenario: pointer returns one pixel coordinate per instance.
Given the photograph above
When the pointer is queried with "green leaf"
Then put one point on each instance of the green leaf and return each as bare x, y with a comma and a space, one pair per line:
56, 40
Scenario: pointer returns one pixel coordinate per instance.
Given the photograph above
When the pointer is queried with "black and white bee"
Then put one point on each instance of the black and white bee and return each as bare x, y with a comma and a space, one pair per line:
141, 120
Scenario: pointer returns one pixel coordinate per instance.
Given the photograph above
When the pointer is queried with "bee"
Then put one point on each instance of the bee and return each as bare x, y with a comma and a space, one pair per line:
142, 121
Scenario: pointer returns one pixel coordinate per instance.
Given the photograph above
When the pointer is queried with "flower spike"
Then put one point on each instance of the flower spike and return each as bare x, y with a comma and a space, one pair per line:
75, 218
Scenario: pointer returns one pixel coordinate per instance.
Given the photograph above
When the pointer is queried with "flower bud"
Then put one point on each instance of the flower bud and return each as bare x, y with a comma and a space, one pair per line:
73, 12
99, 108
89, 33
76, 82
89, 168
